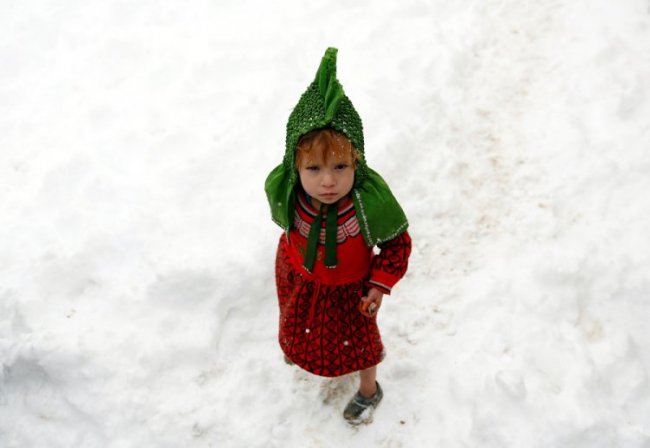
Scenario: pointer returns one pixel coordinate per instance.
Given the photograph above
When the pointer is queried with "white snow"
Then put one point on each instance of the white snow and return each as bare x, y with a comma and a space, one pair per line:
137, 295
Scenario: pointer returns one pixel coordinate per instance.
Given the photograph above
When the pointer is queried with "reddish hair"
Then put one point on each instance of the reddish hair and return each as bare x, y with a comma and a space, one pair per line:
321, 144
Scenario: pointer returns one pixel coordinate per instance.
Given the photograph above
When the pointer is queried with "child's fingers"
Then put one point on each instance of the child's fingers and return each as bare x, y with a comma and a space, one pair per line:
373, 308
363, 306
368, 307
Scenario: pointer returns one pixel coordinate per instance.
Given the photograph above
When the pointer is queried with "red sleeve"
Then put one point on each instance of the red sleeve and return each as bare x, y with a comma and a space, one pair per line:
391, 263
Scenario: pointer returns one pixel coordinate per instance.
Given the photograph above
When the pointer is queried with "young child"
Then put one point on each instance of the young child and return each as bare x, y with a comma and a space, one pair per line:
334, 210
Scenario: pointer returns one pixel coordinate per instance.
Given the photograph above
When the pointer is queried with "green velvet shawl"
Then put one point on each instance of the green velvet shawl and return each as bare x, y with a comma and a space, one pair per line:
325, 105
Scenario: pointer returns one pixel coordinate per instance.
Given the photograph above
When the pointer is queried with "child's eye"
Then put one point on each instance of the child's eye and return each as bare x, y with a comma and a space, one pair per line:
341, 166
312, 168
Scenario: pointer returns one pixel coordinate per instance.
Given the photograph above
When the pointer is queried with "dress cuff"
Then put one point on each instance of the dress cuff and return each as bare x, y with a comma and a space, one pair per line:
383, 288
382, 281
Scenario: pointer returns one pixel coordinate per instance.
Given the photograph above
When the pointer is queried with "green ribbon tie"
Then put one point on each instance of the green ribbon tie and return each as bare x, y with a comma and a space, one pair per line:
330, 238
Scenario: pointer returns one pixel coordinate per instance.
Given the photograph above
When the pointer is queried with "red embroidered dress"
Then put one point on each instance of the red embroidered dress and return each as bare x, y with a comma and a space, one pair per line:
321, 328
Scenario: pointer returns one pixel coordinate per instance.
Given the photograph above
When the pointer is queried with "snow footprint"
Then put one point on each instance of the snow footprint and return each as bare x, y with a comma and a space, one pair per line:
336, 389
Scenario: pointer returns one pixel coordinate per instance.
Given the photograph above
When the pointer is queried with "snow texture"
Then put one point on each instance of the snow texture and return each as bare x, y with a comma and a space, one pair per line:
137, 297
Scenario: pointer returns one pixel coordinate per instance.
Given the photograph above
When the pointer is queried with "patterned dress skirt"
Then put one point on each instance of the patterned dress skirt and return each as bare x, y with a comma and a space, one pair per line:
321, 327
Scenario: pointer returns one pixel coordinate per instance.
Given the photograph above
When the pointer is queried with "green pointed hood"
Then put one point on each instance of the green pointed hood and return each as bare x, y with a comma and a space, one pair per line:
325, 105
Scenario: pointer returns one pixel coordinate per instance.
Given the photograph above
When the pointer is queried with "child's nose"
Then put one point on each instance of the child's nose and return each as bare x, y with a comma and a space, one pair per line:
328, 180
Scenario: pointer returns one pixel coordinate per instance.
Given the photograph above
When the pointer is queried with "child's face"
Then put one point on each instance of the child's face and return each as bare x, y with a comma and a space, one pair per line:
326, 181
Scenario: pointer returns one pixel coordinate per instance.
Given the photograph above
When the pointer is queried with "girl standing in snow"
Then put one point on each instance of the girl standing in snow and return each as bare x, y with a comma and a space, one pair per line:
334, 210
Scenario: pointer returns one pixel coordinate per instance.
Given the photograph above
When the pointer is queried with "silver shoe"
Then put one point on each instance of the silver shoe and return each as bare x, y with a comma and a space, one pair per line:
359, 409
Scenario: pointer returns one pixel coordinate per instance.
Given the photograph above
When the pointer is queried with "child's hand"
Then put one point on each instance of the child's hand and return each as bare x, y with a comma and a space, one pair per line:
369, 305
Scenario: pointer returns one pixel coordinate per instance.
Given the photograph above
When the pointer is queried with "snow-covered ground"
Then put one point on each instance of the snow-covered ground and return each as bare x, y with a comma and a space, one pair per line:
137, 300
